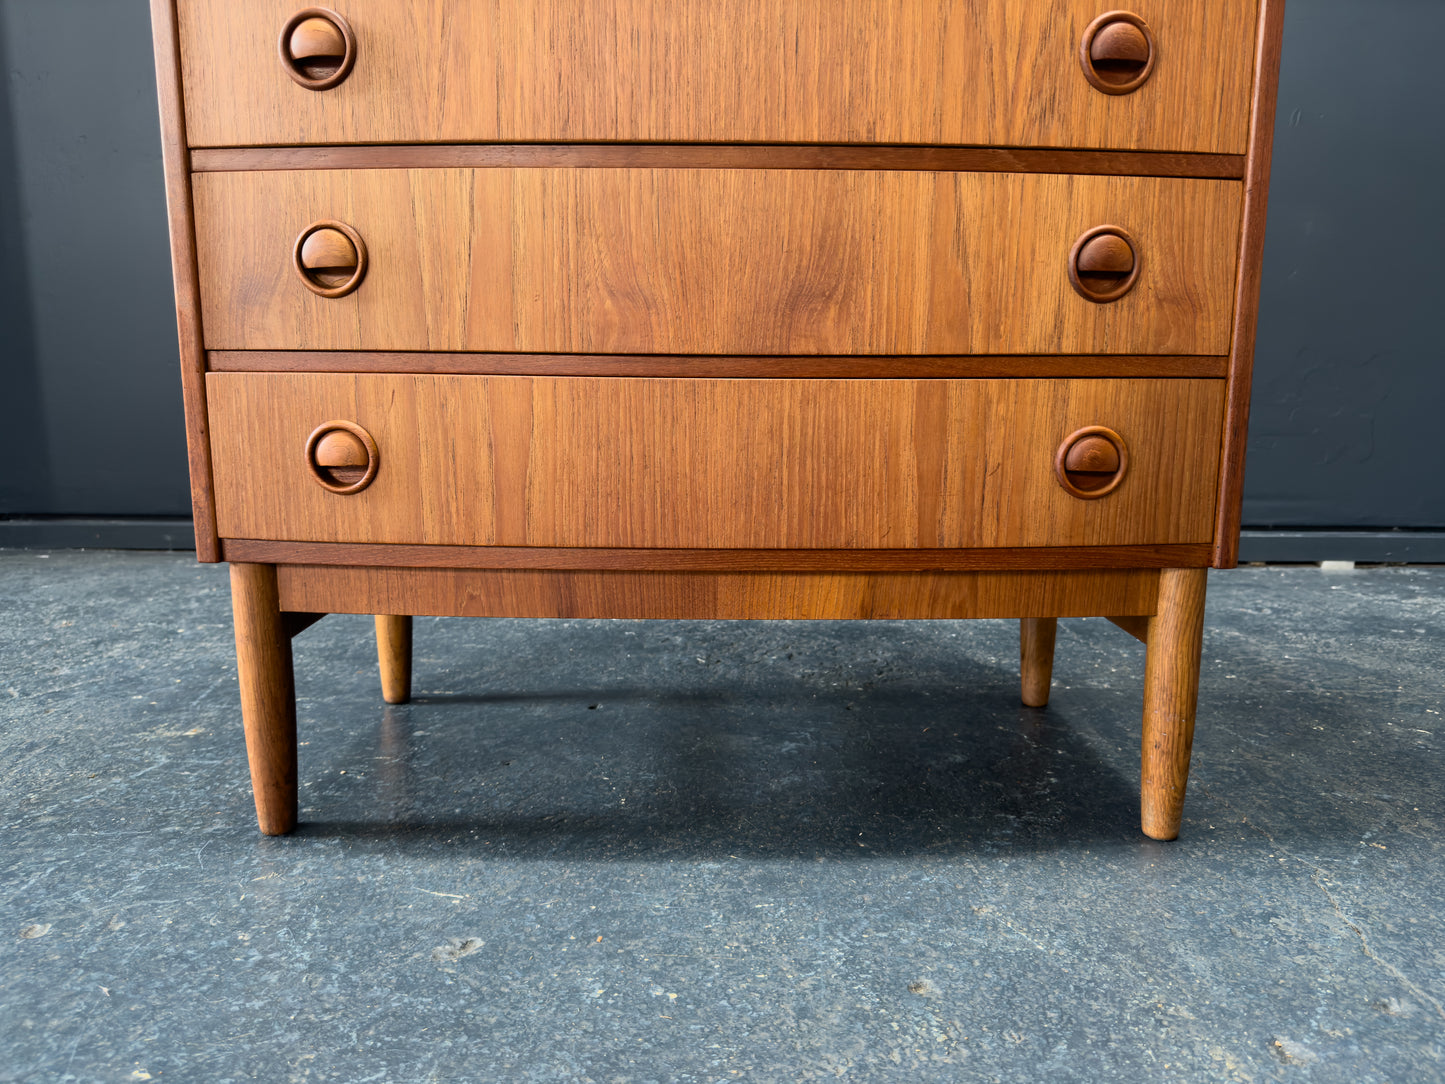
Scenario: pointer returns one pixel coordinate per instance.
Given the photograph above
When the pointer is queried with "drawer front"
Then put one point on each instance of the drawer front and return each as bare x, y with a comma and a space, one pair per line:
750, 464
716, 261
1002, 72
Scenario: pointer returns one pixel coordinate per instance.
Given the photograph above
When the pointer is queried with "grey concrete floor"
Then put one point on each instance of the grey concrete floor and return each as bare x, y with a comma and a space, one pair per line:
702, 851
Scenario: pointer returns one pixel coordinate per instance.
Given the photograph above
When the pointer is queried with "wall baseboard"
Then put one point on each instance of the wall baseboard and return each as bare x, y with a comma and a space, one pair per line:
1363, 547
96, 533
1283, 547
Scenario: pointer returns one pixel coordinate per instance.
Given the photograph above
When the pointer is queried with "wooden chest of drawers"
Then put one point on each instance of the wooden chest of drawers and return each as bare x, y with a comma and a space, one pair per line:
718, 309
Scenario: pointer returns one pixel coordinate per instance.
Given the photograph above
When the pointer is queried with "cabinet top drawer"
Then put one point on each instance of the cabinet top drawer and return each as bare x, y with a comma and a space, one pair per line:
968, 72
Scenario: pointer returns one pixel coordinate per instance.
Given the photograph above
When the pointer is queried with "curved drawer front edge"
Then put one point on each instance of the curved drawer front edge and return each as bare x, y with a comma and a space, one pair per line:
714, 463
995, 559
872, 71
686, 261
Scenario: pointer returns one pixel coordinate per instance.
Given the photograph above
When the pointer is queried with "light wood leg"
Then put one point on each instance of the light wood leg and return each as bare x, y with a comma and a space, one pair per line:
393, 653
1036, 658
1171, 691
268, 694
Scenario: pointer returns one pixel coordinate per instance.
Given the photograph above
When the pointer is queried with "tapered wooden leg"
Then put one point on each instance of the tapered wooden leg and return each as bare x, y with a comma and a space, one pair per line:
393, 652
1036, 658
268, 694
1171, 690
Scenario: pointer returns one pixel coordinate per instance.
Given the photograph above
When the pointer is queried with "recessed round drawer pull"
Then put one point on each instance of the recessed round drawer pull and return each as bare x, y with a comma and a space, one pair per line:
330, 257
342, 457
1104, 264
1091, 463
317, 48
1117, 52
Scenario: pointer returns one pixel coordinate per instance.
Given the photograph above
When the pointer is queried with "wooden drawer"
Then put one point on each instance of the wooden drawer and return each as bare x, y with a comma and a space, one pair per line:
716, 261
968, 72
642, 462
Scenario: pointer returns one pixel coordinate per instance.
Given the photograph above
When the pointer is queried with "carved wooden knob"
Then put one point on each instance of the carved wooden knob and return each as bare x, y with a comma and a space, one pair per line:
342, 457
1117, 52
1091, 463
318, 48
1104, 264
330, 257
1092, 455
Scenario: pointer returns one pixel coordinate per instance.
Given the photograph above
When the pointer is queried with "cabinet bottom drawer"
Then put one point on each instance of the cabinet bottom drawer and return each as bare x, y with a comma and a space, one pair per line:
713, 463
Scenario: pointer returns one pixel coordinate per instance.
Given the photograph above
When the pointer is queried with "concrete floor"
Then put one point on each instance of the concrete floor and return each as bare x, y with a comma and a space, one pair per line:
716, 851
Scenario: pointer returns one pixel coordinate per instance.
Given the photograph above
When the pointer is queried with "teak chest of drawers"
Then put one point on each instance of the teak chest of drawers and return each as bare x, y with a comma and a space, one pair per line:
717, 309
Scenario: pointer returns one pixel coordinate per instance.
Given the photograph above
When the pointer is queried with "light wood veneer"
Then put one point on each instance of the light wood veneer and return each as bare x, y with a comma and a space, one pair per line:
716, 261
1001, 72
593, 461
725, 596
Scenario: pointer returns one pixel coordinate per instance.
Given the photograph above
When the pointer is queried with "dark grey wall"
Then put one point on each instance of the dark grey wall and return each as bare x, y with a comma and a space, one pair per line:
1349, 391
1350, 372
91, 414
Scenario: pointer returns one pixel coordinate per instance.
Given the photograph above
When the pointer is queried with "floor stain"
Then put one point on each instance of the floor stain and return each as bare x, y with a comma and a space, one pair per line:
456, 948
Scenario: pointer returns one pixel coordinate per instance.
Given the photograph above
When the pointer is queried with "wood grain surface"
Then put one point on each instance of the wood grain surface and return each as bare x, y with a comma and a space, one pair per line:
1092, 366
393, 656
1246, 293
175, 159
722, 156
268, 694
584, 461
1037, 636
722, 596
888, 71
1136, 627
1175, 636
990, 559
717, 262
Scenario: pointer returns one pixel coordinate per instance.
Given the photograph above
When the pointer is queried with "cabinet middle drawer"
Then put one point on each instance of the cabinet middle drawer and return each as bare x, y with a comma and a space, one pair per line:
716, 261
708, 463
